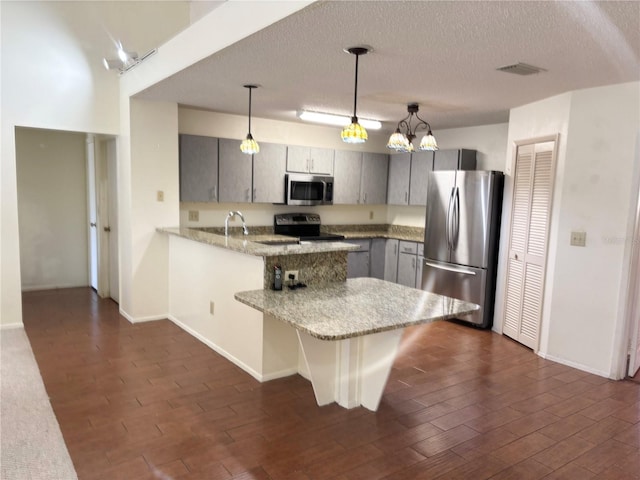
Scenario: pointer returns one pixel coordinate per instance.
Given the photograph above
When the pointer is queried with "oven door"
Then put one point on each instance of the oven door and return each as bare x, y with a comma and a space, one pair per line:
307, 189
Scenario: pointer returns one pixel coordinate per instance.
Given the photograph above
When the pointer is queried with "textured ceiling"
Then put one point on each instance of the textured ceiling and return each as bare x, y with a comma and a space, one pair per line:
441, 54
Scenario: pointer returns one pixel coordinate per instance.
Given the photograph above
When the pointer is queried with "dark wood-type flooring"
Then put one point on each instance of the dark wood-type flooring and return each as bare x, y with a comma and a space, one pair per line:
149, 401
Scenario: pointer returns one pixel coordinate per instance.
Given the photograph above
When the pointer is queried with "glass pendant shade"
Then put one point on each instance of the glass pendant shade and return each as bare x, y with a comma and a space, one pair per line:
249, 145
398, 141
428, 142
354, 132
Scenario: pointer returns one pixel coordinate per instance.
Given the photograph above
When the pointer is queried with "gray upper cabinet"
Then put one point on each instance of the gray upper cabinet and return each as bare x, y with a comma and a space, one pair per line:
318, 161
269, 167
346, 177
460, 159
373, 185
235, 172
198, 168
399, 175
421, 165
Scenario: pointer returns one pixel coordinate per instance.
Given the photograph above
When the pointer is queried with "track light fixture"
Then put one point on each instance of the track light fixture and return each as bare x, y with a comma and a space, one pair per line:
401, 140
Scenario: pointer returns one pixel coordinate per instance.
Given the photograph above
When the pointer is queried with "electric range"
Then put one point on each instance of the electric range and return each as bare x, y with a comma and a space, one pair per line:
305, 226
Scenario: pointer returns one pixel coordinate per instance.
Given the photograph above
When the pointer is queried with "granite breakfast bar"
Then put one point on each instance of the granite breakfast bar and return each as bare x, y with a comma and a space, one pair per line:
349, 332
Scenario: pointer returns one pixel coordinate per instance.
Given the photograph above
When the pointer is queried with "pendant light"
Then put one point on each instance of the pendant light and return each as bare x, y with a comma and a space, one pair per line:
401, 140
249, 145
354, 132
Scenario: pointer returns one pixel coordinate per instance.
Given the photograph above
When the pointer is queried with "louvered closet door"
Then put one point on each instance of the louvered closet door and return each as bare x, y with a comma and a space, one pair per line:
531, 207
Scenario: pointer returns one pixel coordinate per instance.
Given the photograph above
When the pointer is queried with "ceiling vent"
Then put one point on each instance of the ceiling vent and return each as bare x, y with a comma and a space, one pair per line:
521, 69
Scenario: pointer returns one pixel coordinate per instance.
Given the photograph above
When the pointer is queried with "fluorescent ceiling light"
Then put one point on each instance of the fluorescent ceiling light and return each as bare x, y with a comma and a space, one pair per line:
338, 120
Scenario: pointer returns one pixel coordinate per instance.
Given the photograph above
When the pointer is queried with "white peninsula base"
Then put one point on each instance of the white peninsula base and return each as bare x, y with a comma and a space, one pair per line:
349, 332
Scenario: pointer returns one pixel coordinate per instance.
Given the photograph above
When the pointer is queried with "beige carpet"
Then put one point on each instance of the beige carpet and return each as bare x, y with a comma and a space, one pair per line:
32, 447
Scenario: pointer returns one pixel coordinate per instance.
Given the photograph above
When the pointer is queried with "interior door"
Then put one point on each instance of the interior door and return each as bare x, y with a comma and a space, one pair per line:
112, 182
93, 212
634, 300
530, 216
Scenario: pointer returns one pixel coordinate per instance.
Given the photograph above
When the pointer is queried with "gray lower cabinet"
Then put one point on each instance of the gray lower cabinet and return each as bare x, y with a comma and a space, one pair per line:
235, 171
377, 257
391, 260
198, 168
460, 159
346, 177
407, 263
269, 167
358, 261
421, 165
373, 185
399, 175
310, 160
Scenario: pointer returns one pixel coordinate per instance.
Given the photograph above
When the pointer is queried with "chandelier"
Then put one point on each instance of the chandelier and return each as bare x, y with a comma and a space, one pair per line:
401, 140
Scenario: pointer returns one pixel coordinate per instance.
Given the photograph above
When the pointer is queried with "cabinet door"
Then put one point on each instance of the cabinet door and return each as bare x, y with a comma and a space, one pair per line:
391, 260
297, 159
346, 177
419, 263
399, 173
375, 172
357, 264
421, 165
235, 172
321, 161
377, 257
198, 168
461, 159
407, 269
445, 160
268, 173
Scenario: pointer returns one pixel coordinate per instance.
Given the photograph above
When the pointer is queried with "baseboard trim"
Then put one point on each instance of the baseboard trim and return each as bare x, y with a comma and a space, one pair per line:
149, 318
576, 365
35, 288
261, 378
11, 326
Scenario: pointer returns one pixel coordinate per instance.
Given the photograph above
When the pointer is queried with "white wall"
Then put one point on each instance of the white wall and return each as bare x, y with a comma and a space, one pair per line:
52, 208
595, 185
49, 80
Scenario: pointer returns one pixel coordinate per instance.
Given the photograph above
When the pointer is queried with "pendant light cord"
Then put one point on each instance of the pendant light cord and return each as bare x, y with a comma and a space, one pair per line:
250, 88
355, 93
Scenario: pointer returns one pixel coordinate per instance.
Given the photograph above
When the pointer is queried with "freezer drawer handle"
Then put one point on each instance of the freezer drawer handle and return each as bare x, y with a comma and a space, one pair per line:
451, 269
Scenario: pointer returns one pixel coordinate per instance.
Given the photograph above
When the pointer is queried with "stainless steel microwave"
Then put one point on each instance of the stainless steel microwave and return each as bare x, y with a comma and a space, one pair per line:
301, 189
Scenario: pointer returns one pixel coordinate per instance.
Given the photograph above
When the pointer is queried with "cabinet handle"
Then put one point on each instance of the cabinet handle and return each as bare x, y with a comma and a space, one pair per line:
248, 194
214, 193
413, 262
365, 197
312, 164
406, 196
395, 249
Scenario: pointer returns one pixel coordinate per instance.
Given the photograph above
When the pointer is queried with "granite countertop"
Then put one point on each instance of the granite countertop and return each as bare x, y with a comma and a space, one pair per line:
357, 307
398, 232
250, 245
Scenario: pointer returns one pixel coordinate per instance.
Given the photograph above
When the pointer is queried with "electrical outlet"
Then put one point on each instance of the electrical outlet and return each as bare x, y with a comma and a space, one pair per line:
160, 196
370, 214
291, 272
211, 307
194, 216
578, 239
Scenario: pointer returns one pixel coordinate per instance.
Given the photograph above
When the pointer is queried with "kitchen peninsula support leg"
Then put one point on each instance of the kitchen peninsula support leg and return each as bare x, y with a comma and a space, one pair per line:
351, 372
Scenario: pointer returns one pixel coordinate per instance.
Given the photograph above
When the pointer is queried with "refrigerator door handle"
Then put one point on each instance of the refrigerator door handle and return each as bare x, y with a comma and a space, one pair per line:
448, 232
455, 227
450, 268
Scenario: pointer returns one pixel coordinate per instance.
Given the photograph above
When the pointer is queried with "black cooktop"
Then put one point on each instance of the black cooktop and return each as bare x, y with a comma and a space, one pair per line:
305, 226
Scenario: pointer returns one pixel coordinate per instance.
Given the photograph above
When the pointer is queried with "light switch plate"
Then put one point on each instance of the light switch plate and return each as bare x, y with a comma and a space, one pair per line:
579, 239
160, 196
194, 216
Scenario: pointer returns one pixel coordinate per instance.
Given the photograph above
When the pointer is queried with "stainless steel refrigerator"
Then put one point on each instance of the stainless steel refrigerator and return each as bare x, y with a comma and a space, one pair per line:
461, 238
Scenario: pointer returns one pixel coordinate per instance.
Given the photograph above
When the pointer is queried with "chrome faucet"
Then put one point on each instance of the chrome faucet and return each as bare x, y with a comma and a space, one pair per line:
245, 230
